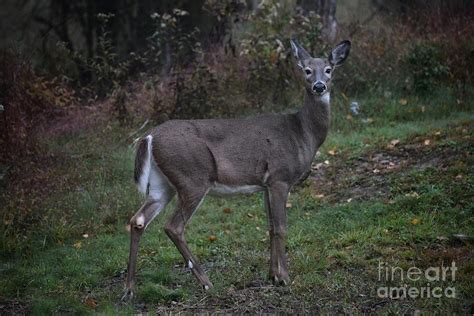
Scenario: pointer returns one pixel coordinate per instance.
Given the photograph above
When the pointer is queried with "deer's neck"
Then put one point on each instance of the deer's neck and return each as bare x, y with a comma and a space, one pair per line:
315, 117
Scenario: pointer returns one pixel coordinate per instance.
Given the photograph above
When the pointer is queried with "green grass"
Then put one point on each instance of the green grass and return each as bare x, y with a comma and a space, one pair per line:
334, 244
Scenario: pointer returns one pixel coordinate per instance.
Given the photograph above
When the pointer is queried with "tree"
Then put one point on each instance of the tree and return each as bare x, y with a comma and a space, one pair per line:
326, 9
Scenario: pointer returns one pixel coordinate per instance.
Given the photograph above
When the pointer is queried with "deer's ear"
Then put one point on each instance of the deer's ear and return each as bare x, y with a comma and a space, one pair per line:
340, 53
299, 53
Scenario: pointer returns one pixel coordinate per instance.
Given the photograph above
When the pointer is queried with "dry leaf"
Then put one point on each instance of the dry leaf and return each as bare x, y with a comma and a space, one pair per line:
438, 133
413, 195
427, 142
250, 215
319, 196
8, 219
376, 170
394, 142
288, 205
212, 238
227, 210
349, 117
349, 200
326, 162
332, 152
415, 221
91, 302
85, 235
403, 101
78, 245
459, 176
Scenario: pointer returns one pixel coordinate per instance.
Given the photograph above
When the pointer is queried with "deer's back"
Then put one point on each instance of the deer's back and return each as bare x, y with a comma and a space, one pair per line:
231, 151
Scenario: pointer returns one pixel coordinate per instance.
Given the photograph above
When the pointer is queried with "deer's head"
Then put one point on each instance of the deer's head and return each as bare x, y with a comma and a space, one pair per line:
318, 71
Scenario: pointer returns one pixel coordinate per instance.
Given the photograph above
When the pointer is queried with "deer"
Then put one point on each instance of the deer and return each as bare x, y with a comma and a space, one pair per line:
267, 153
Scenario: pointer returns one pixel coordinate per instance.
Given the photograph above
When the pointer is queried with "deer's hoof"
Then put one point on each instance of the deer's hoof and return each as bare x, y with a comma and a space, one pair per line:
280, 280
207, 287
127, 296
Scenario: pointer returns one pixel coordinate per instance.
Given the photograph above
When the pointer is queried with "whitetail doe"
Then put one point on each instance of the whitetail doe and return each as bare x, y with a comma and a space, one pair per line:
268, 153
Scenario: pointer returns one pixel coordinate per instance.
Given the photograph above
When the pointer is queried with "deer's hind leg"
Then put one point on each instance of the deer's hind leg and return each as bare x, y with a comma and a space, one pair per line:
160, 193
187, 204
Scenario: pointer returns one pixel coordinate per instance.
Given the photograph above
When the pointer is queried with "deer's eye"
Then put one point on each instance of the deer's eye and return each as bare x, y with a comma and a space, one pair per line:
328, 70
307, 71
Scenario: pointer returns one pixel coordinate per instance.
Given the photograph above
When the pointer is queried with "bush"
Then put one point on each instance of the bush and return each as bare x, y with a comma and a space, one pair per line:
427, 66
28, 101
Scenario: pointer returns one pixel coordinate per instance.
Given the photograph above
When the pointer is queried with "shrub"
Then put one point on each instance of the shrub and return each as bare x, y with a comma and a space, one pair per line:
28, 101
427, 66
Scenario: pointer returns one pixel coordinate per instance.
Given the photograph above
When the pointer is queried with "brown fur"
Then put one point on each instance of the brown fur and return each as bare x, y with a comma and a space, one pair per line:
268, 152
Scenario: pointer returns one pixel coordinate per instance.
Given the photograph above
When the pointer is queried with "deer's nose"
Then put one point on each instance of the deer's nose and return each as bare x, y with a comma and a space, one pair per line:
319, 87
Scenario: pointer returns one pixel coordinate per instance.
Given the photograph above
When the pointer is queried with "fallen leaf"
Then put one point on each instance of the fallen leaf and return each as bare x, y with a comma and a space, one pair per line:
257, 227
427, 142
376, 170
227, 232
349, 200
403, 101
438, 133
78, 245
8, 219
250, 215
85, 235
326, 162
319, 196
394, 142
459, 176
212, 238
227, 210
413, 195
415, 221
349, 117
91, 302
288, 205
332, 152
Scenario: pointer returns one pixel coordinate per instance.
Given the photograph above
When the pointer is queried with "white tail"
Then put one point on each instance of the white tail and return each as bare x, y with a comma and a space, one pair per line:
144, 177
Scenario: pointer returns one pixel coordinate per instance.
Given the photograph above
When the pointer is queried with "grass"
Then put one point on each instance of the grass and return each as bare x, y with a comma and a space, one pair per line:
65, 246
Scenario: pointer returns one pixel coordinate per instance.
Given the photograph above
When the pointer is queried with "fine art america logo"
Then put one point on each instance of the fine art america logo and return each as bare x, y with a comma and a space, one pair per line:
430, 282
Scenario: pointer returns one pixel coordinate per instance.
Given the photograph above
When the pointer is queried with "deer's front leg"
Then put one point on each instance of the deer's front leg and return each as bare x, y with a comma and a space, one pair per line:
276, 196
